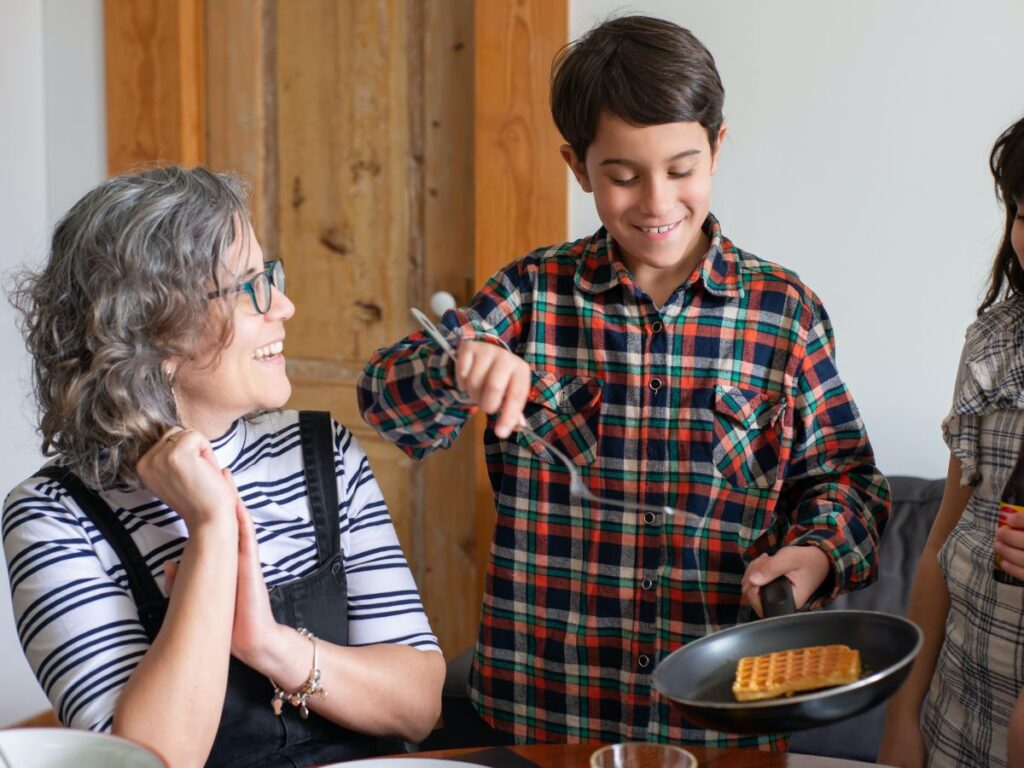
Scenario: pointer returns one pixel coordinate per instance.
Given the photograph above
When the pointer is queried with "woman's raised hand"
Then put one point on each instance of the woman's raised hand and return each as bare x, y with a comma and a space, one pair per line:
181, 470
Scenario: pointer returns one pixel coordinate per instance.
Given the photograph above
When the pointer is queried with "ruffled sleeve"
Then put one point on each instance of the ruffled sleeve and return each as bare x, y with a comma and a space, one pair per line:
960, 427
990, 378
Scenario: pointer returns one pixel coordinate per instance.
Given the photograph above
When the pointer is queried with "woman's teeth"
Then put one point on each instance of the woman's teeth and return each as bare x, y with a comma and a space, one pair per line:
269, 351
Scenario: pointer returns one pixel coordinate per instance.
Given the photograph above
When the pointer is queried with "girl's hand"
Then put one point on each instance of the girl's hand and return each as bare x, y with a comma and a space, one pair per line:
181, 470
254, 620
805, 566
1010, 545
496, 380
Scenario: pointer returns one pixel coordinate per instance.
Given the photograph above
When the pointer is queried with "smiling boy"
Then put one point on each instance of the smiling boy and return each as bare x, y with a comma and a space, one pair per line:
674, 369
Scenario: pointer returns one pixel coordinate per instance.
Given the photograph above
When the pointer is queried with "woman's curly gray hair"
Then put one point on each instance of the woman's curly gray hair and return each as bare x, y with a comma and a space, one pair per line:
124, 290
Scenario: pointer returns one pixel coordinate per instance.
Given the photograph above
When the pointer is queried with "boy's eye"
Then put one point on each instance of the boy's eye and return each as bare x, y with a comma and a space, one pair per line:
623, 182
680, 174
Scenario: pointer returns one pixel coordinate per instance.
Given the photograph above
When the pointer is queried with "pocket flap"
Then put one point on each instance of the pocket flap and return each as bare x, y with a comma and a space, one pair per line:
564, 394
752, 409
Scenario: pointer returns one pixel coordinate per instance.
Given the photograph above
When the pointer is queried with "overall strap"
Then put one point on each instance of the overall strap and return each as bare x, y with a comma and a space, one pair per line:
148, 598
321, 480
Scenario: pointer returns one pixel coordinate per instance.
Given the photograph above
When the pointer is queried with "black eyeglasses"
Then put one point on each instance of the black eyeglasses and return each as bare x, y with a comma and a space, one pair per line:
260, 287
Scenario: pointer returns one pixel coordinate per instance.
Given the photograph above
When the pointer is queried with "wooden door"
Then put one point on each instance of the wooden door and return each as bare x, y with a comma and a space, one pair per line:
389, 158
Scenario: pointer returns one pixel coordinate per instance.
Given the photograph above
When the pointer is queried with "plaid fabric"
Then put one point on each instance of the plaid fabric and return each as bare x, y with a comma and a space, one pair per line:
725, 403
980, 669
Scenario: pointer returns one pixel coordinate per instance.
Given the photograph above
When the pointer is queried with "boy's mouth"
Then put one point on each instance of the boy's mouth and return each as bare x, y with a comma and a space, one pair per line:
659, 230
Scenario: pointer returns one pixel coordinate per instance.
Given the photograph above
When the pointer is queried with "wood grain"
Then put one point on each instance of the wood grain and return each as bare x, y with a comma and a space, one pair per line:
521, 197
240, 127
154, 82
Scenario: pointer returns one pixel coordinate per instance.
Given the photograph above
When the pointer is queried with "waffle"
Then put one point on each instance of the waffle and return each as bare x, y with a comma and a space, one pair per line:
784, 673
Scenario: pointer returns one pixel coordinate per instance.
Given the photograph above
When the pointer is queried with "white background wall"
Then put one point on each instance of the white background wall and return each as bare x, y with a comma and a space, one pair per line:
857, 152
52, 148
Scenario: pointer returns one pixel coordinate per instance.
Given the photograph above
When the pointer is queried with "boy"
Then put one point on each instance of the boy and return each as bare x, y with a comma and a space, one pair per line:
674, 369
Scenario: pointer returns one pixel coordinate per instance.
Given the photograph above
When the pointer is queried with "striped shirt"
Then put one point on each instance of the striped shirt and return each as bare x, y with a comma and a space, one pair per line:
980, 669
76, 618
725, 402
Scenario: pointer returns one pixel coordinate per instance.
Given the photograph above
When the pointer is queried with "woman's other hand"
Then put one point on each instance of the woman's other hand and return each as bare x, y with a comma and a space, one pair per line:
1010, 545
254, 622
805, 566
496, 380
181, 470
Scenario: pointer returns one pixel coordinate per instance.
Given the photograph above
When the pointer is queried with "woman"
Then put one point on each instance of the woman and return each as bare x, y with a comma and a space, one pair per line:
157, 329
970, 670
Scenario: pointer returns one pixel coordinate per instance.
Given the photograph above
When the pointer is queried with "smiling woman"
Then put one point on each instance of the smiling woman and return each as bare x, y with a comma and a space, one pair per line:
196, 569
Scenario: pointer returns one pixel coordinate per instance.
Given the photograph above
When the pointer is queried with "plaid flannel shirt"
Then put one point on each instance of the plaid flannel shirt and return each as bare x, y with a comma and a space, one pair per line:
725, 402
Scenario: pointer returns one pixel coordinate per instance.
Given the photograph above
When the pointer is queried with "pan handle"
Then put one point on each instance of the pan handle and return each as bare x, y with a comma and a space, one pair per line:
777, 598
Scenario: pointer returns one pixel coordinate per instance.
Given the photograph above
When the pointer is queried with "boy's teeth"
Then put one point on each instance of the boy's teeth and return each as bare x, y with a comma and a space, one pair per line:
270, 350
659, 230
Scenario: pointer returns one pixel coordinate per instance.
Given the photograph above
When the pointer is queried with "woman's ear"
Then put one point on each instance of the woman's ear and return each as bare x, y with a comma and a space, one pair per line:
578, 168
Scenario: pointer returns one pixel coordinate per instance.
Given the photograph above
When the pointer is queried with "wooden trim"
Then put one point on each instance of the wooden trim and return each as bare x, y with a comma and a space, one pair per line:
240, 119
154, 82
521, 184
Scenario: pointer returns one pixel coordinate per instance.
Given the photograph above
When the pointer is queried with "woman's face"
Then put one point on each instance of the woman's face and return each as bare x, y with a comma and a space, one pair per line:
1017, 233
249, 373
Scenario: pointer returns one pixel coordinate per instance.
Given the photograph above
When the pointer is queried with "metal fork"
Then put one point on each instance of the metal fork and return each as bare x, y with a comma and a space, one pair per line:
577, 487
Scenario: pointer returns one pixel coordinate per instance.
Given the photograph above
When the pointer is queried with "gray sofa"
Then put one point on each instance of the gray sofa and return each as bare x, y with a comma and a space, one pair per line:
915, 503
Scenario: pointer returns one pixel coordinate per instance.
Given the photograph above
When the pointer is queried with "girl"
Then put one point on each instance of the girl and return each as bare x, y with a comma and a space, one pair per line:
970, 670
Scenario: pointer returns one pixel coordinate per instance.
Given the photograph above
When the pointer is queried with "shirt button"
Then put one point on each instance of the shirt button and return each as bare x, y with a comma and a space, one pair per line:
644, 660
647, 583
655, 384
650, 517
656, 326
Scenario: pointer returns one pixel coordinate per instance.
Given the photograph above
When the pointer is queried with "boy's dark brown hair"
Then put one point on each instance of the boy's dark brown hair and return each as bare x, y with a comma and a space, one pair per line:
1007, 165
646, 71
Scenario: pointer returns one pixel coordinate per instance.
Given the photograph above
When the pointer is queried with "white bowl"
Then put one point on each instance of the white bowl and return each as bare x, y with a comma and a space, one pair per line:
60, 747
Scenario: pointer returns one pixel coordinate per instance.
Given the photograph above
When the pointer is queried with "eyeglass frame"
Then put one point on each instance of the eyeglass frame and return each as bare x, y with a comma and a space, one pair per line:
269, 268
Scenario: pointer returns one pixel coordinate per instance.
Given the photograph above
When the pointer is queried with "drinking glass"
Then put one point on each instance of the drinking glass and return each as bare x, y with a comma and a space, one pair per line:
642, 754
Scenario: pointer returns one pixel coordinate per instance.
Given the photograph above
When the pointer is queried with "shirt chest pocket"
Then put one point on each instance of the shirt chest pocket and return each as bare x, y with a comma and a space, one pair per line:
565, 411
747, 436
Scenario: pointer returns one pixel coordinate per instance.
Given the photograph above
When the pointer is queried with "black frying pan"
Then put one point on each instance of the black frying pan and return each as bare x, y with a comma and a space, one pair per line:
698, 677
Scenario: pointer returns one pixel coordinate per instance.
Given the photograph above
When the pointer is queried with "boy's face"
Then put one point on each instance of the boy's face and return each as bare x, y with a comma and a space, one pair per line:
652, 189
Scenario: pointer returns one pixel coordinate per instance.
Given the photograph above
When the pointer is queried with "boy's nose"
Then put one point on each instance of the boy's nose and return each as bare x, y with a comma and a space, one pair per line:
658, 198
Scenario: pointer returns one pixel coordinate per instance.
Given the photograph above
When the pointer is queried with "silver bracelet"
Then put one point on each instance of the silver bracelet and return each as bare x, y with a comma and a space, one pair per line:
311, 687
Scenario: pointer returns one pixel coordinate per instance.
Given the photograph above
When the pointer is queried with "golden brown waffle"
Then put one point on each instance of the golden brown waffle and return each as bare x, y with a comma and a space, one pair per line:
784, 673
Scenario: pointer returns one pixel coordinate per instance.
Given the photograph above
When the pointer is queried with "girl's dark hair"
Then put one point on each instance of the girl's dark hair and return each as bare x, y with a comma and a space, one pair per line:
124, 290
646, 71
1007, 164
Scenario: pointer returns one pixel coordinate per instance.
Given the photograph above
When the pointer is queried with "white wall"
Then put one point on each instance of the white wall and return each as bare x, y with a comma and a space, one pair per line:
52, 149
857, 155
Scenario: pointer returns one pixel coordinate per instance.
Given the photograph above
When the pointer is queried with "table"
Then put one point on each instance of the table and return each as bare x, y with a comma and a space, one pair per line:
578, 756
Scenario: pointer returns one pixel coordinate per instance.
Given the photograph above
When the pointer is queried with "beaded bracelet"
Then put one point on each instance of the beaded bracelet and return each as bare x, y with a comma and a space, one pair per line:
310, 688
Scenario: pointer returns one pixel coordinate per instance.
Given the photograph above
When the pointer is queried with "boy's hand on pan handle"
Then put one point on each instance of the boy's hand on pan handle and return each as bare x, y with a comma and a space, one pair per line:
806, 567
496, 380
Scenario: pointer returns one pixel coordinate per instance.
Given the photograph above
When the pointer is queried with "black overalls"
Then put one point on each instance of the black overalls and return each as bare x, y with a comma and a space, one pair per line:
250, 734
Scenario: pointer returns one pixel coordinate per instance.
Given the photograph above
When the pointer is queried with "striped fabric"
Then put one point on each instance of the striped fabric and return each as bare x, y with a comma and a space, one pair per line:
725, 403
980, 669
76, 618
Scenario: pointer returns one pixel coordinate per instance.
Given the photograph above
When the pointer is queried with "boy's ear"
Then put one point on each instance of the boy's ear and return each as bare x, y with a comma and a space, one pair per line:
579, 170
718, 148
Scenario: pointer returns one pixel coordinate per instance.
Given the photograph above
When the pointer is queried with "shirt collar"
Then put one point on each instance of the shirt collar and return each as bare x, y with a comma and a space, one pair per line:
600, 269
228, 446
